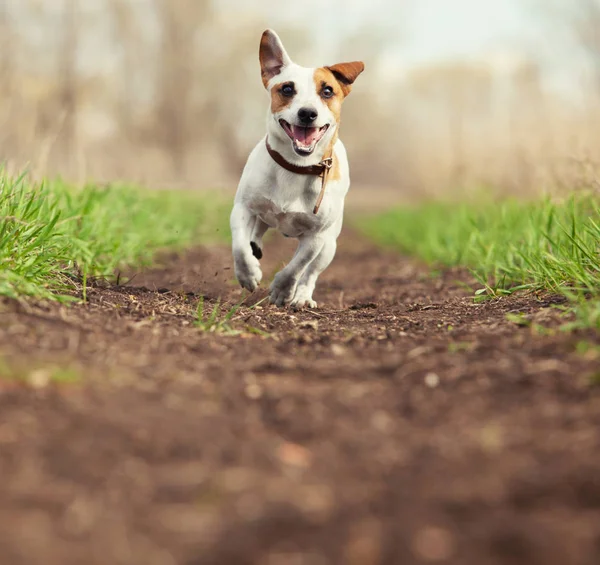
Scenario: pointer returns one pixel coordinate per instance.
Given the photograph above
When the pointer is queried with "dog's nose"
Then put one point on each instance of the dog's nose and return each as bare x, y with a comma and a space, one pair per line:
307, 115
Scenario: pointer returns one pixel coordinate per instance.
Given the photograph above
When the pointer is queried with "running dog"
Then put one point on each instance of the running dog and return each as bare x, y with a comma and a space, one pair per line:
297, 176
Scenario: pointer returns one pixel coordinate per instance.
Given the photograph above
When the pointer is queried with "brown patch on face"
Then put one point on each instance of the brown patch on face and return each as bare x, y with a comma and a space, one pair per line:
333, 84
280, 101
325, 79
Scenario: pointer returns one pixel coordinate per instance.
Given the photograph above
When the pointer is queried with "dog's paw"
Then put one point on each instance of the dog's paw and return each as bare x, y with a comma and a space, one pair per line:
298, 304
302, 299
248, 273
282, 289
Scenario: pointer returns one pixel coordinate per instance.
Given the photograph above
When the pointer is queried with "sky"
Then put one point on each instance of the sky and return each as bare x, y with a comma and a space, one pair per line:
416, 32
406, 33
454, 28
419, 30
426, 29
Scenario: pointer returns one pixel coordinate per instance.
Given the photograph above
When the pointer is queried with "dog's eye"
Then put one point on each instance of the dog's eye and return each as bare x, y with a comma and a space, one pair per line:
287, 90
327, 92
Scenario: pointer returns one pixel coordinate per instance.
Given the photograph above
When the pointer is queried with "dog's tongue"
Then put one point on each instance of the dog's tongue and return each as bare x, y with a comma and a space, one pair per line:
304, 135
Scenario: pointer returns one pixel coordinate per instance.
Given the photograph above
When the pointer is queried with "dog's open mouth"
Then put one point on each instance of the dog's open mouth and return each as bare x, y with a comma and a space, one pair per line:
304, 139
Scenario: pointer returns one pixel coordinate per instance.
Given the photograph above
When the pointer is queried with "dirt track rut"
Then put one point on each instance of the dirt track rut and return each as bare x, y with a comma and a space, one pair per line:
400, 423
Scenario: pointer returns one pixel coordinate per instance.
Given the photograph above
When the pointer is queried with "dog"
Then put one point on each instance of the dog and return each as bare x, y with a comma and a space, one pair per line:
296, 178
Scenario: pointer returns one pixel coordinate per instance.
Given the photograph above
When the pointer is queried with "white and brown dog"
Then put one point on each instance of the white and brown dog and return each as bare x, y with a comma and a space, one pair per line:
297, 177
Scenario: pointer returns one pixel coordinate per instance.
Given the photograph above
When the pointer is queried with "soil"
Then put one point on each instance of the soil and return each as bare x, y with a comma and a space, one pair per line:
399, 423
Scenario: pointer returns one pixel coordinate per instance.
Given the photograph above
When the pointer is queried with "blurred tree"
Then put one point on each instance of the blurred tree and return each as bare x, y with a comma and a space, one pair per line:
575, 21
462, 91
130, 43
68, 97
7, 50
7, 66
180, 22
586, 27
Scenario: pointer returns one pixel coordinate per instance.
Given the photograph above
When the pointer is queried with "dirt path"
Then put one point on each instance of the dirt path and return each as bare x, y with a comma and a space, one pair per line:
398, 424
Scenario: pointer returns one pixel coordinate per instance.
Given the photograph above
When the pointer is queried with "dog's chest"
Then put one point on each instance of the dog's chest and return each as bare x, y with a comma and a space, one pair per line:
293, 219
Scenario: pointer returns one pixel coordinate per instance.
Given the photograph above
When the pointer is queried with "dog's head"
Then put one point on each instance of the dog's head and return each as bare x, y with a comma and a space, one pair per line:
305, 103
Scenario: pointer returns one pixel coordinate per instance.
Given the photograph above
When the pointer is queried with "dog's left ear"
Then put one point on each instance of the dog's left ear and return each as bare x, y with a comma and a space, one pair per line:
272, 55
346, 74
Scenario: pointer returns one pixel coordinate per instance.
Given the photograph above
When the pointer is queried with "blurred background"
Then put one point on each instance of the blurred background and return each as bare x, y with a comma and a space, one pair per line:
458, 95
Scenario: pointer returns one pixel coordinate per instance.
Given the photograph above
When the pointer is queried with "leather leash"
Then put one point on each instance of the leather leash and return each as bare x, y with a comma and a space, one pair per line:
321, 169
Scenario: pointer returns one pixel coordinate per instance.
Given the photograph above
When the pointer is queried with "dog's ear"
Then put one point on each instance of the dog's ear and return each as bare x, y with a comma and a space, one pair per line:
346, 74
272, 55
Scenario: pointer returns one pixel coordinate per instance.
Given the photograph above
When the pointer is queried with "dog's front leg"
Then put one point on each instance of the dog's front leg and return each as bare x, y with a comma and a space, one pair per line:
284, 284
247, 267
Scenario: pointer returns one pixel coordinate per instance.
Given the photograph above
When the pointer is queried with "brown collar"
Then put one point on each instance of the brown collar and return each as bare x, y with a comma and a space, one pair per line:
321, 169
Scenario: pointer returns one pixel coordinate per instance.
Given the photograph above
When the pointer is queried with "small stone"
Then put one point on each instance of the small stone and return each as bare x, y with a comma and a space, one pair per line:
40, 378
432, 380
338, 350
418, 352
294, 455
254, 391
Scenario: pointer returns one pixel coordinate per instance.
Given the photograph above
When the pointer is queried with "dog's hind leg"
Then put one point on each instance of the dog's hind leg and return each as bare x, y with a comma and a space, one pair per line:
258, 231
295, 283
284, 283
306, 284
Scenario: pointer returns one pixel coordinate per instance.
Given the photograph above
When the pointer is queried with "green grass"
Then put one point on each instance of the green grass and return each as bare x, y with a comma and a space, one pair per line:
52, 234
215, 321
219, 319
509, 245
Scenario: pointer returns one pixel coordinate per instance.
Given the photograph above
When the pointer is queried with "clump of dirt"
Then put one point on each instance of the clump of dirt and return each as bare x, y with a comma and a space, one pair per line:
399, 423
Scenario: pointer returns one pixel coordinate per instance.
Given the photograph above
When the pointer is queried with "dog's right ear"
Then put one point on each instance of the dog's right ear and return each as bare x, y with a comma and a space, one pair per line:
272, 55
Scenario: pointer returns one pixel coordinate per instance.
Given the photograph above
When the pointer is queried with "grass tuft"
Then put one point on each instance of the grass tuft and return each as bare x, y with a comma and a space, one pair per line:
218, 320
509, 246
215, 321
52, 234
